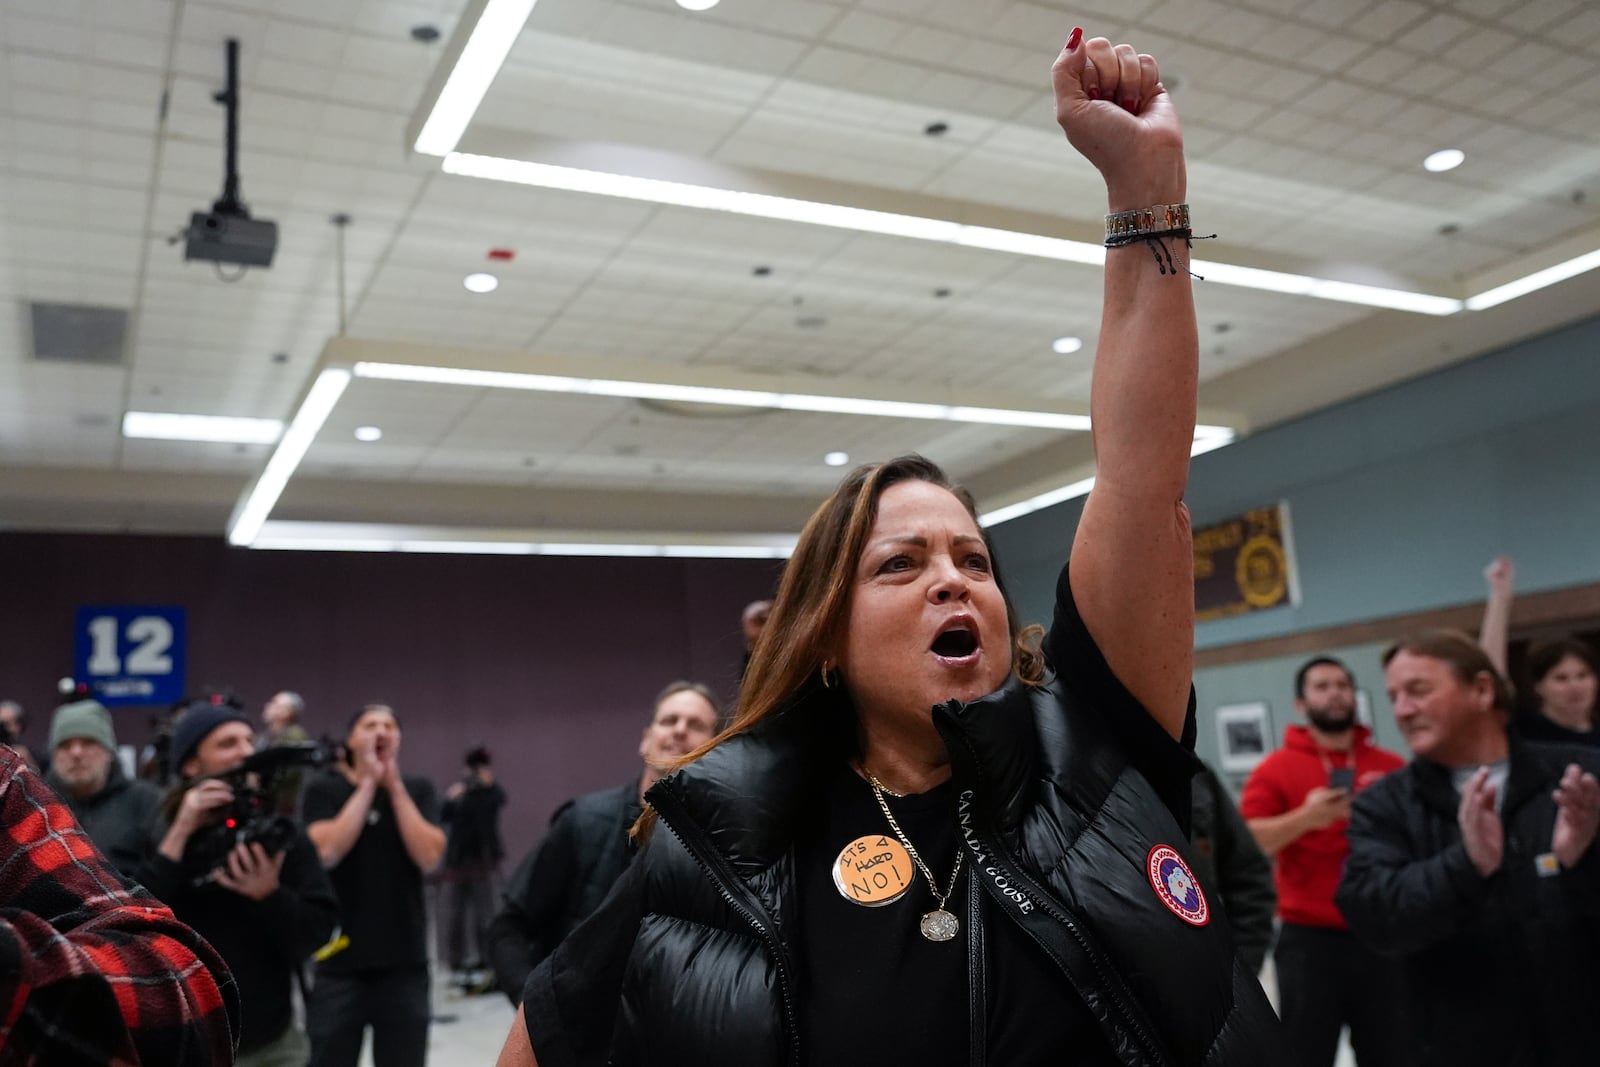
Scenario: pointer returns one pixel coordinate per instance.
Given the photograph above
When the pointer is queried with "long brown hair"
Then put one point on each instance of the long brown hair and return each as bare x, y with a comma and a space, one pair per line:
1544, 656
812, 607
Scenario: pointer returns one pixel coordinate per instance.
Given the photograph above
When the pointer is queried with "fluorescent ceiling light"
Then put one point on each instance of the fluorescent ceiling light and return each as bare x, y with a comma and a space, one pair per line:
680, 194
481, 283
163, 426
1048, 420
691, 394
1206, 439
857, 405
1443, 160
1382, 297
1036, 503
1537, 280
838, 405
319, 544
1274, 281
485, 379
1209, 439
369, 434
1065, 346
836, 459
759, 205
257, 505
491, 40
520, 548
1030, 244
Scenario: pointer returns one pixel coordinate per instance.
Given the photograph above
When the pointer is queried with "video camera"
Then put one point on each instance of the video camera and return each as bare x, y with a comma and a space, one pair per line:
250, 819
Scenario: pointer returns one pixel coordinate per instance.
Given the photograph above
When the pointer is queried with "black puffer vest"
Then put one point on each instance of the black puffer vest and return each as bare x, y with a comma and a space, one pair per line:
1059, 825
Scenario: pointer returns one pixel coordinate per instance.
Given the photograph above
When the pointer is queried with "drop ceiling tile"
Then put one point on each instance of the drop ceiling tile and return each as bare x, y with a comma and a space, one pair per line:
1480, 49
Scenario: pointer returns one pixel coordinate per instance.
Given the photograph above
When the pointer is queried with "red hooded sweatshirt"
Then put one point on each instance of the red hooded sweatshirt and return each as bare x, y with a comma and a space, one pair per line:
1307, 870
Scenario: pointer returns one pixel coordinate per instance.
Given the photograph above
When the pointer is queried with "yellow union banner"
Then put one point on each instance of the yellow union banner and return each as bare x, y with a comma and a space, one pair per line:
1244, 564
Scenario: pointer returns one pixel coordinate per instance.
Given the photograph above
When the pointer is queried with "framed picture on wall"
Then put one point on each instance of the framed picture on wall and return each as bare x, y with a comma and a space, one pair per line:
1244, 736
1364, 709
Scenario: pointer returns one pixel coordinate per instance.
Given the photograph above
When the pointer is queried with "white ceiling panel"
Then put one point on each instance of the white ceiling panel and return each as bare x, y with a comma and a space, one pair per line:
1306, 128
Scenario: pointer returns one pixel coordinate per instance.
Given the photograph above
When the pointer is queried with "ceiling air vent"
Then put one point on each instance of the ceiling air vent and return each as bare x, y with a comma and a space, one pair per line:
79, 333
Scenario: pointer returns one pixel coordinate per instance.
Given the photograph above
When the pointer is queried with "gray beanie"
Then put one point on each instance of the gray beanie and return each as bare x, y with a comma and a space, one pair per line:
87, 719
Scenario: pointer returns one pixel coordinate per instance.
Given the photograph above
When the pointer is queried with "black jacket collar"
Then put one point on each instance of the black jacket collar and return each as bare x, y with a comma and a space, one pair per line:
1533, 767
753, 793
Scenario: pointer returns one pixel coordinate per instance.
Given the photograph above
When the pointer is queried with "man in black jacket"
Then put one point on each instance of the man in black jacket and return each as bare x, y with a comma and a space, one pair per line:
1475, 865
265, 913
586, 849
1227, 860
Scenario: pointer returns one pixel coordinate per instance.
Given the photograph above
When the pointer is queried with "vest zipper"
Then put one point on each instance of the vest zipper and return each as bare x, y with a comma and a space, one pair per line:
977, 976
715, 867
1100, 966
1047, 905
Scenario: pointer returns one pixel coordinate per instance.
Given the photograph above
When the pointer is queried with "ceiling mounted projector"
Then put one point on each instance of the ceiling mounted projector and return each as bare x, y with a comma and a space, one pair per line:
227, 233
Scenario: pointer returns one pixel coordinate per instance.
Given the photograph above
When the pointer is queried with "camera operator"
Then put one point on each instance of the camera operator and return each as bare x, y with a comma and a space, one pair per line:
266, 913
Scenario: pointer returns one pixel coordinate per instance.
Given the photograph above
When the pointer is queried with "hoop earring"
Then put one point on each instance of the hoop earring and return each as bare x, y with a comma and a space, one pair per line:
828, 675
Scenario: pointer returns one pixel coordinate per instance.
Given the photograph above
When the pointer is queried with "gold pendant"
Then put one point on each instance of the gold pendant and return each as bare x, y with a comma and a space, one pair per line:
939, 925
873, 871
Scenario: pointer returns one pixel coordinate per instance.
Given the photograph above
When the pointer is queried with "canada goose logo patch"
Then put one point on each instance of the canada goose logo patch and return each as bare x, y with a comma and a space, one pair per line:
1175, 884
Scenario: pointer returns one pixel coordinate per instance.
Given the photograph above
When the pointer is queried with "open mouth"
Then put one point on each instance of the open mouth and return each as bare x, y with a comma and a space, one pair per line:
957, 641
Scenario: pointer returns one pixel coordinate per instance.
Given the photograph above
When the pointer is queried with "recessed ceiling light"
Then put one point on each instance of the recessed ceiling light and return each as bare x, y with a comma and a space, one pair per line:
481, 283
368, 433
1443, 160
698, 5
1065, 346
836, 459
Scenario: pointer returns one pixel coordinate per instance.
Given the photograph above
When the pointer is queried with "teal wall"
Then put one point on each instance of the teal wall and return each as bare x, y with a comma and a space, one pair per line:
1271, 681
1397, 501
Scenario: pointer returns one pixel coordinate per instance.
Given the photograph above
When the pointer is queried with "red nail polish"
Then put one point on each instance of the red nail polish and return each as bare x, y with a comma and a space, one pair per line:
1073, 38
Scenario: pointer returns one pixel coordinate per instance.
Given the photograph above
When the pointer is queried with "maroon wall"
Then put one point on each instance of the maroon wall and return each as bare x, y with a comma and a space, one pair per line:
551, 661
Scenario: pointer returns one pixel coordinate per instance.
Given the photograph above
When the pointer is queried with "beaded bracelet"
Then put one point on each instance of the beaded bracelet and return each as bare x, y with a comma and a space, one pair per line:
1153, 226
1146, 221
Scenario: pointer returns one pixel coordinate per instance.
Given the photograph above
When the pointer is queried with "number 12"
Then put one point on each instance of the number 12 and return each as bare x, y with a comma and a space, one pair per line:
152, 636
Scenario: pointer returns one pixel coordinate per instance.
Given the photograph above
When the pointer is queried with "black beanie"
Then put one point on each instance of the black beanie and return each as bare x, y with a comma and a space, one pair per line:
197, 724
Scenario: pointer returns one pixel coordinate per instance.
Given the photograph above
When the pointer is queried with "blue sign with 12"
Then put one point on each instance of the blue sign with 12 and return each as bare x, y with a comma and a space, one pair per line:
130, 654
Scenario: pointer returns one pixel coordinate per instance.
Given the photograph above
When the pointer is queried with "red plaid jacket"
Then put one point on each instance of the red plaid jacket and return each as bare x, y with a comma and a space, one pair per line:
94, 971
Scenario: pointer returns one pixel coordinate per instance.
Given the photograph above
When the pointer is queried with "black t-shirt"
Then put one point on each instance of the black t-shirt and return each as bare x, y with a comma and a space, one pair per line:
880, 992
1533, 725
381, 907
875, 990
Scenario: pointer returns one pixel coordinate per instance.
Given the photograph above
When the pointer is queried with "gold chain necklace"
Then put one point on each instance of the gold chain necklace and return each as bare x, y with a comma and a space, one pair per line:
938, 924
